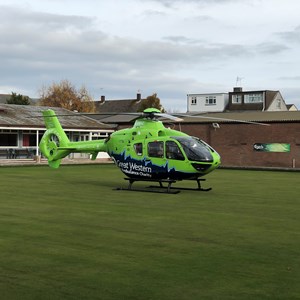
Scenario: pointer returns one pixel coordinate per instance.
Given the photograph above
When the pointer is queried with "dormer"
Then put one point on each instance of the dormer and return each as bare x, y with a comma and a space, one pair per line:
264, 100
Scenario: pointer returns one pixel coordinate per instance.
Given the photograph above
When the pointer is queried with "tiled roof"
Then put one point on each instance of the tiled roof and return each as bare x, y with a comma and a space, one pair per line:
252, 116
30, 116
118, 106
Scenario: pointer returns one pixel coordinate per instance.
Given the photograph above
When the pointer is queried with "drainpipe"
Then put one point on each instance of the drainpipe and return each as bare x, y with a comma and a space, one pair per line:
264, 101
187, 103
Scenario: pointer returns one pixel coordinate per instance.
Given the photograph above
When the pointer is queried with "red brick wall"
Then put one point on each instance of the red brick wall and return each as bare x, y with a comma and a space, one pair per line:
234, 142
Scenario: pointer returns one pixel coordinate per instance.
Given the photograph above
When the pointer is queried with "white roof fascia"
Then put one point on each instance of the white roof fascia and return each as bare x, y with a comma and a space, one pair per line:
43, 128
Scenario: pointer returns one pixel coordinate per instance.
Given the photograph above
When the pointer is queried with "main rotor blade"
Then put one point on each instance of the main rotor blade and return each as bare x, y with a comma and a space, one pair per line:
224, 119
167, 116
78, 114
177, 117
138, 114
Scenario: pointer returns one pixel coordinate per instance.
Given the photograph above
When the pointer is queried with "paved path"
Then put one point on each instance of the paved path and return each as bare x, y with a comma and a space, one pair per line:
66, 161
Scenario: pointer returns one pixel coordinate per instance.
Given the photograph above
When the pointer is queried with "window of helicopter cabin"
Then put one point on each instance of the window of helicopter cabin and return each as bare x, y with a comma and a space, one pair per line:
156, 149
193, 100
138, 148
237, 99
210, 100
173, 151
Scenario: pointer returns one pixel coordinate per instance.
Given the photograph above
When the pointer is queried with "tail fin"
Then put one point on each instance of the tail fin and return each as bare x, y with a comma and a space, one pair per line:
54, 141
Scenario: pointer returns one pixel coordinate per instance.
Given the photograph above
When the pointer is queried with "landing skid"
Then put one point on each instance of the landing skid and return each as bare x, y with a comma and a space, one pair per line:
169, 189
199, 188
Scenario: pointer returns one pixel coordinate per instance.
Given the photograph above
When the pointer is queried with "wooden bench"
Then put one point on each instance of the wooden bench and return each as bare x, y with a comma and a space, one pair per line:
13, 153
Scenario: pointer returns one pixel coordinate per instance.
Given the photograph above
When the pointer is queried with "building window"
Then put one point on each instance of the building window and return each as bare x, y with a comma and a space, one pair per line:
253, 98
9, 139
237, 99
194, 101
279, 103
29, 140
210, 100
98, 135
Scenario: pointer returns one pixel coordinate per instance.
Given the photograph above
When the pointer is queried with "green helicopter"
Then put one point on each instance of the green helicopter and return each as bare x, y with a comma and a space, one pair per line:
147, 152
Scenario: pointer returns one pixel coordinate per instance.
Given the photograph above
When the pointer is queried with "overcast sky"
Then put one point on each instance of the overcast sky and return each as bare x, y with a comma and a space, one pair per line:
169, 47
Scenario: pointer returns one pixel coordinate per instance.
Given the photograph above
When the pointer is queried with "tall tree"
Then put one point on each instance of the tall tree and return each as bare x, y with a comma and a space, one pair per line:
65, 95
151, 101
18, 99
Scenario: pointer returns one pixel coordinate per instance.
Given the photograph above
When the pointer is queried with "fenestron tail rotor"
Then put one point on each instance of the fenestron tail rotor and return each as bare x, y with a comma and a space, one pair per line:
53, 138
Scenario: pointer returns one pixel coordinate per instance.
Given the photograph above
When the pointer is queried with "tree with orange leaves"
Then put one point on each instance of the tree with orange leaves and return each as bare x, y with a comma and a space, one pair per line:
65, 95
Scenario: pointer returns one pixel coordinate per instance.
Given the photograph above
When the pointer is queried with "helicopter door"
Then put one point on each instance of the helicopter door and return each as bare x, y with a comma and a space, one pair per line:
173, 151
156, 149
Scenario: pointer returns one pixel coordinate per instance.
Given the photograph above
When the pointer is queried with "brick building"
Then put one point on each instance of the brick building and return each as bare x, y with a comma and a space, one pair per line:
250, 145
241, 144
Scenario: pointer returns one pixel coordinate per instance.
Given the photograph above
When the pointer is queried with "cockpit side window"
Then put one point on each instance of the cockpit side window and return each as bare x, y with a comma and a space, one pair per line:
195, 150
173, 151
138, 148
156, 149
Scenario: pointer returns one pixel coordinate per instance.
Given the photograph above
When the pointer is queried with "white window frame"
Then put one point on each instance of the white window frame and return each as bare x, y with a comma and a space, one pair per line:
253, 98
210, 100
194, 100
237, 99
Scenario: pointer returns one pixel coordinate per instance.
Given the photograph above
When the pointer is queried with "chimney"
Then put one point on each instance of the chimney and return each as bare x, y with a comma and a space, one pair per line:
138, 97
102, 99
237, 89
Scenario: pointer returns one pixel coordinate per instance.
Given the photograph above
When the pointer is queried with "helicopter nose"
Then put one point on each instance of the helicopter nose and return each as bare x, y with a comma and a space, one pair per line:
217, 161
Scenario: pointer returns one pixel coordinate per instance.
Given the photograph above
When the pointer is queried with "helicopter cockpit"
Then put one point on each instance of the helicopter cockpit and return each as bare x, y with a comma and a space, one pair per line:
195, 149
178, 148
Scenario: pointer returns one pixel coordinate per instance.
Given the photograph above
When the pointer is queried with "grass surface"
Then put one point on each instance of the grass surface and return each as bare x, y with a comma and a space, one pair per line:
66, 234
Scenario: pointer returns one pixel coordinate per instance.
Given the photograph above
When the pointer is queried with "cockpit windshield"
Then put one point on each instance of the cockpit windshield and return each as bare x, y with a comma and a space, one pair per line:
195, 149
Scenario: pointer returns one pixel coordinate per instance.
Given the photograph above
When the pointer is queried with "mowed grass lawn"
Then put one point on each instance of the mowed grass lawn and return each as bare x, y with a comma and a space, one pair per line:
67, 234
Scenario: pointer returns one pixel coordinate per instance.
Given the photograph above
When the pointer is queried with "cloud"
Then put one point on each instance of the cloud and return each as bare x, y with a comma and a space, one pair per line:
172, 3
152, 48
30, 19
182, 39
149, 13
46, 44
271, 48
291, 36
296, 78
